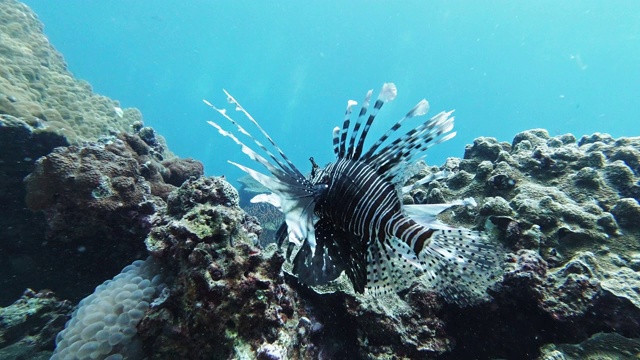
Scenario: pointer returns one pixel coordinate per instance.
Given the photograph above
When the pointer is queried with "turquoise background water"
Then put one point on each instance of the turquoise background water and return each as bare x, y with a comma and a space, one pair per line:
504, 66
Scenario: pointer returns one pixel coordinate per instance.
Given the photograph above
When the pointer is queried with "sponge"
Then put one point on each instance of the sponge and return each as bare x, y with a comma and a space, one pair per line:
104, 324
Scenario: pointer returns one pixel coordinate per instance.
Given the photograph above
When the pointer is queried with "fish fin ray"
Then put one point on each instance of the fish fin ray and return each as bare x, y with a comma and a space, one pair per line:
336, 251
387, 93
356, 129
296, 193
392, 266
286, 167
391, 160
461, 264
425, 214
346, 124
290, 166
420, 109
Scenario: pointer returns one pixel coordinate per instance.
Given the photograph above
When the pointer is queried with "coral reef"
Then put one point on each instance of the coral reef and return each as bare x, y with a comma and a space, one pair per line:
179, 170
269, 217
20, 228
28, 326
409, 326
94, 187
566, 209
107, 190
42, 106
602, 346
37, 88
229, 298
104, 323
96, 205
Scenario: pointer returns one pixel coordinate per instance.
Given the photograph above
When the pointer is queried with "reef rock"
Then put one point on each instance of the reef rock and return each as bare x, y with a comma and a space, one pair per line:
42, 106
568, 209
228, 298
29, 325
180, 170
96, 189
602, 346
20, 228
37, 88
98, 199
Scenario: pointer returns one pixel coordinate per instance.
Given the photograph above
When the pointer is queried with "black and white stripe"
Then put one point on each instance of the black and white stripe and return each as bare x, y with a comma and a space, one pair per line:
349, 217
362, 202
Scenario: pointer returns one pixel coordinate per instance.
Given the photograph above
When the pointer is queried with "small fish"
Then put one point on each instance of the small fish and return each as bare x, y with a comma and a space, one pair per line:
348, 216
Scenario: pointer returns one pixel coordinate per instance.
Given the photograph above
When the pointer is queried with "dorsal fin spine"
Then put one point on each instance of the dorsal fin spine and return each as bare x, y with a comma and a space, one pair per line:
345, 129
239, 107
336, 140
248, 150
421, 108
356, 128
419, 139
387, 93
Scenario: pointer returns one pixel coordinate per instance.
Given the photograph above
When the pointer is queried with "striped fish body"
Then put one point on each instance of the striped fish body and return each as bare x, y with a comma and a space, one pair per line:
362, 212
348, 217
358, 200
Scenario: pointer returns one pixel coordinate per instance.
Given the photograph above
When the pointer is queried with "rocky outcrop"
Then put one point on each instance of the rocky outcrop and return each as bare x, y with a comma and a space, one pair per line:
90, 199
29, 326
565, 208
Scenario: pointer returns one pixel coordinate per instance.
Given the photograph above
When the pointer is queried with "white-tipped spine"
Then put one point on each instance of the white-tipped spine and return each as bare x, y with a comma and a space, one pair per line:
388, 93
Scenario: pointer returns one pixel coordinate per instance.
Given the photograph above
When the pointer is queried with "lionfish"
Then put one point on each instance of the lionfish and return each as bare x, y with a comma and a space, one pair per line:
349, 216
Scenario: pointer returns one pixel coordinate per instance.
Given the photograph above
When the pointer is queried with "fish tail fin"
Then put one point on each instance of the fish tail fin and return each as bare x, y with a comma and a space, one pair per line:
461, 264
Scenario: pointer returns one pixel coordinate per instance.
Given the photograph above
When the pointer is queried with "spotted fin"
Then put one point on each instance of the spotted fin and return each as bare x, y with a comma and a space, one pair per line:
392, 266
461, 264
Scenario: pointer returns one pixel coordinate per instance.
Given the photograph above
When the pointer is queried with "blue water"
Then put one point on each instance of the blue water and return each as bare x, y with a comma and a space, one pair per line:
504, 66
